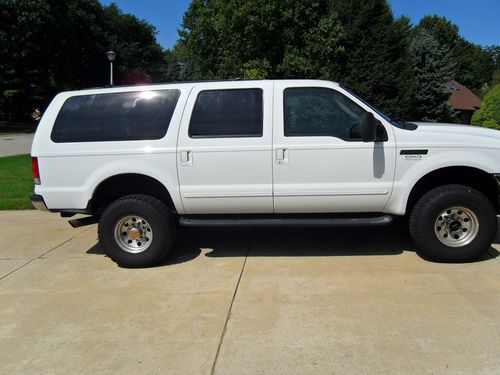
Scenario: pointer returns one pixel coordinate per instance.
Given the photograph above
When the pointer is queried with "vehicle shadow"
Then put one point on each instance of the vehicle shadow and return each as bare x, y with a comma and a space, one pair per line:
292, 242
322, 242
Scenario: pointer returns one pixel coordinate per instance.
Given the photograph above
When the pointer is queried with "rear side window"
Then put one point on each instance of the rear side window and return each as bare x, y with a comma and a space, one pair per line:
126, 116
227, 113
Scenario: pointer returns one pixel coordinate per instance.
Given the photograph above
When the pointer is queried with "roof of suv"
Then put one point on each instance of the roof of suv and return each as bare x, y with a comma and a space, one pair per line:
118, 88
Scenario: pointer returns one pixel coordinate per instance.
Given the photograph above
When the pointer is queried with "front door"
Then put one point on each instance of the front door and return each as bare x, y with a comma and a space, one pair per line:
320, 163
224, 154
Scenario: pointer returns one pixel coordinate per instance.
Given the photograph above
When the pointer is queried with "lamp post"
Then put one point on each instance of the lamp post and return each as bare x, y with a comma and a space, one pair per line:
111, 57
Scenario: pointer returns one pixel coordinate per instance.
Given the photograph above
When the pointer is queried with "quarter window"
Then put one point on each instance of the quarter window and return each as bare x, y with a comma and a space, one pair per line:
227, 113
126, 116
317, 111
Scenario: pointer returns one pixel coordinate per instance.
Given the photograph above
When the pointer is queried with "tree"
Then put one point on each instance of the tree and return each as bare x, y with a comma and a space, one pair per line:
496, 78
171, 69
47, 46
494, 51
430, 68
223, 39
473, 64
352, 41
135, 42
444, 31
24, 76
375, 62
489, 113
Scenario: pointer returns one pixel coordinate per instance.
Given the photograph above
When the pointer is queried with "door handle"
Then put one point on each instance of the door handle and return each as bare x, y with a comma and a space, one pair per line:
281, 156
186, 158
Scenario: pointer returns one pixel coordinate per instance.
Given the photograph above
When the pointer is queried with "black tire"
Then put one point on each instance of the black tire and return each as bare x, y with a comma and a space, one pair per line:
425, 227
160, 222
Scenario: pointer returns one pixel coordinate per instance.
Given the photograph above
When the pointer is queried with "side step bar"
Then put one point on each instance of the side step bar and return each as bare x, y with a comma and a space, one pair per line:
340, 221
88, 220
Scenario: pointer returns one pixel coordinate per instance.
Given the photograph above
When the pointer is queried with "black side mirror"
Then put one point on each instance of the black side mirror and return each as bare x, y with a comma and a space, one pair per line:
368, 127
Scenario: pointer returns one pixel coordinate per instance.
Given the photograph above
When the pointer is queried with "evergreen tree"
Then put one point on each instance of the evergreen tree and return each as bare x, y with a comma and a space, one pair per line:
375, 63
473, 65
444, 31
431, 70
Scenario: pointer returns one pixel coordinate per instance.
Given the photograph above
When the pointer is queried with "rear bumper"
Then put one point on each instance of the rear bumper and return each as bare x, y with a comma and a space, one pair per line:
38, 202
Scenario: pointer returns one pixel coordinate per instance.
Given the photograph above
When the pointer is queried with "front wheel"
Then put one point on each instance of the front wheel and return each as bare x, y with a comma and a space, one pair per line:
137, 231
453, 223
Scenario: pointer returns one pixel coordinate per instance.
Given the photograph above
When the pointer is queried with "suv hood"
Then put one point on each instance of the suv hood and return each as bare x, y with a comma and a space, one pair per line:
450, 135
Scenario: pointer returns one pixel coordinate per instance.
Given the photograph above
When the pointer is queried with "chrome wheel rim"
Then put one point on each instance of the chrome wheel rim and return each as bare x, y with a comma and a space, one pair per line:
133, 234
456, 226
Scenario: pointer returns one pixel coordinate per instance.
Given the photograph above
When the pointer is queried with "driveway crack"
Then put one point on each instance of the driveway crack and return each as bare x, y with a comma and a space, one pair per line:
42, 255
228, 316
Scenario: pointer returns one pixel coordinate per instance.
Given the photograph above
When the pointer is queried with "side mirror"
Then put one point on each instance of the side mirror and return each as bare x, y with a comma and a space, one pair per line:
368, 128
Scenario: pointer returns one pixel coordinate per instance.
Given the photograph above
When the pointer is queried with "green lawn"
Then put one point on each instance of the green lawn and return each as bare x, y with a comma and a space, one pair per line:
16, 182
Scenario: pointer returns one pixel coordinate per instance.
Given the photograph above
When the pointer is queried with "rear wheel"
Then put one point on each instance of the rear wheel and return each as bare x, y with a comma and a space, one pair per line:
137, 231
453, 223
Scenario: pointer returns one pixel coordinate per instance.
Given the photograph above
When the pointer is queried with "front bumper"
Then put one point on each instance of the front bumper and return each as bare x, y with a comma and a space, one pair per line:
38, 202
497, 178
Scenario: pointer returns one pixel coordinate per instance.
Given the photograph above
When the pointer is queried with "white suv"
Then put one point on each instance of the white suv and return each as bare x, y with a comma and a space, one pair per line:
143, 159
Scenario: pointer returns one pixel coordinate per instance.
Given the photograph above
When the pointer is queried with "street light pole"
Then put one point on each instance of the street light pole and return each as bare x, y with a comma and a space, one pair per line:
111, 57
111, 73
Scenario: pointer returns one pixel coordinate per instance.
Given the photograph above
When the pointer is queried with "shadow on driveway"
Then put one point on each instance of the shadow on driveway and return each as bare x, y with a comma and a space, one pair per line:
292, 242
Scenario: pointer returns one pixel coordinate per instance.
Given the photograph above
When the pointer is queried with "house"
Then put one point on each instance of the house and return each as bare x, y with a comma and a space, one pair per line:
463, 101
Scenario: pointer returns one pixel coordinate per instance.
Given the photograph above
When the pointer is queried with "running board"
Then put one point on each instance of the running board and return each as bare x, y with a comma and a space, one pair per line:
88, 220
332, 221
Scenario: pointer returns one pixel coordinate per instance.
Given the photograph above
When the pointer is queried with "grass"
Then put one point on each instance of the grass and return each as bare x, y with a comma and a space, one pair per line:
16, 182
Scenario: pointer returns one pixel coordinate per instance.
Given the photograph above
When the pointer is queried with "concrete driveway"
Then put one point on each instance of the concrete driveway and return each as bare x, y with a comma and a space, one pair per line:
15, 144
282, 301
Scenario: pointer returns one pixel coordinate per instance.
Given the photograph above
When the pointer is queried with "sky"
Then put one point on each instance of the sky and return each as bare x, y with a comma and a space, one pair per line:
478, 20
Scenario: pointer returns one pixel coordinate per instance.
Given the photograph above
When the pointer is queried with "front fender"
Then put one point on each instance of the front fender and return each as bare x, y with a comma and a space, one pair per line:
410, 170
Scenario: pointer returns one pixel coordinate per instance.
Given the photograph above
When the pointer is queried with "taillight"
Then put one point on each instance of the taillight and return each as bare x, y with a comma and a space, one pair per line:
36, 172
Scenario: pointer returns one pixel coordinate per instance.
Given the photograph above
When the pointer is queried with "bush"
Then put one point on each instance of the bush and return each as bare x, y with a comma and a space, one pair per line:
489, 113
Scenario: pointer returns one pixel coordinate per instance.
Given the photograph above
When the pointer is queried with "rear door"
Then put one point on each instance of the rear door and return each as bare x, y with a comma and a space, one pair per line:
224, 153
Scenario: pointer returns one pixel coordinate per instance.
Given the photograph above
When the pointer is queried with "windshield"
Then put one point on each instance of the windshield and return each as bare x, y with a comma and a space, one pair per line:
387, 118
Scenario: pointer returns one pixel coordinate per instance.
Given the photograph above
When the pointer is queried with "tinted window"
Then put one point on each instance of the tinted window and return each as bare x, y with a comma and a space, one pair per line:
312, 111
227, 113
123, 116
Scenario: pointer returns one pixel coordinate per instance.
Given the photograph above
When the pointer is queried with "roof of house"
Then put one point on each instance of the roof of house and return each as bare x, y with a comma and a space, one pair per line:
461, 97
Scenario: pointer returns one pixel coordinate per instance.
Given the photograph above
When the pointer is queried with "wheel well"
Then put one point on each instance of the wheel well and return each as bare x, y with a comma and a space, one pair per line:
468, 176
124, 184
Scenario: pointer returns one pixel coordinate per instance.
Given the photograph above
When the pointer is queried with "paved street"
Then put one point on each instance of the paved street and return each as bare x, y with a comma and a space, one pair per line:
247, 301
15, 144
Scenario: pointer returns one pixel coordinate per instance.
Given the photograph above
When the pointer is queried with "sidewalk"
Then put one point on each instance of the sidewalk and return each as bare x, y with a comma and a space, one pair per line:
246, 301
15, 144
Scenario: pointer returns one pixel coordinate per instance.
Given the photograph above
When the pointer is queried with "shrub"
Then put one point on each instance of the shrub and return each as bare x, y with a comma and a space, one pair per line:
489, 113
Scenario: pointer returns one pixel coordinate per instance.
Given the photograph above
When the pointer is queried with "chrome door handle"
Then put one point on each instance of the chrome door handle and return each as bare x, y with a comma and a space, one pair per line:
281, 156
186, 158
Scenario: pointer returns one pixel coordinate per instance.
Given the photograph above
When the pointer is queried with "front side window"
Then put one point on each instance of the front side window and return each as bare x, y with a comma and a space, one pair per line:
125, 116
227, 113
317, 111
